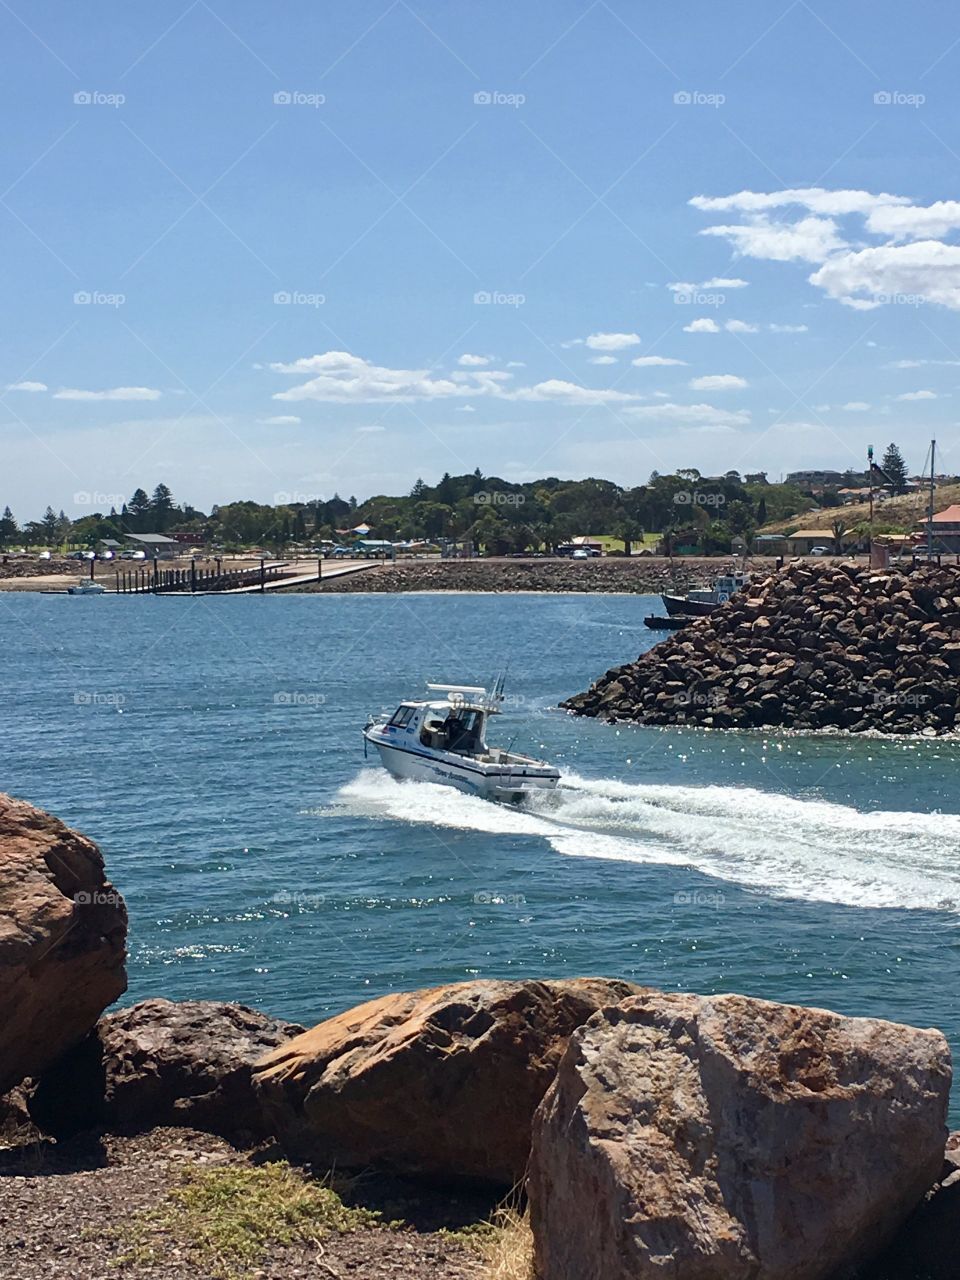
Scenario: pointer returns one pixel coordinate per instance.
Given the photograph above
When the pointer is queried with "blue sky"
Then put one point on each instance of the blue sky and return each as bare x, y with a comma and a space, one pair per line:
257, 250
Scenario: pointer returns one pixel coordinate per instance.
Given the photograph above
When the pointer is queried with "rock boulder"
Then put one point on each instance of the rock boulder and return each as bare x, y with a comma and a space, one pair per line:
63, 931
442, 1082
162, 1062
727, 1138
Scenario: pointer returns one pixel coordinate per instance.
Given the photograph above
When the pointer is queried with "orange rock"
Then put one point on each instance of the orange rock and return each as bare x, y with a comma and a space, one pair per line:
441, 1082
63, 931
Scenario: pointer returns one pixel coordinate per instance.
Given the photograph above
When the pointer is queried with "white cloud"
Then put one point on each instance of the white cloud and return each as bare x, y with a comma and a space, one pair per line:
739, 326
344, 377
815, 199
281, 420
918, 395
651, 362
915, 222
612, 341
807, 240
703, 325
855, 406
925, 270
787, 328
26, 386
364, 431
465, 408
690, 414
469, 361
603, 360
516, 364
112, 393
716, 282
570, 393
718, 382
918, 364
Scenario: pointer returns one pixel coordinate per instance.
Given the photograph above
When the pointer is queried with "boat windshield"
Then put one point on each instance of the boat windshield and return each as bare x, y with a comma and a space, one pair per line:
460, 731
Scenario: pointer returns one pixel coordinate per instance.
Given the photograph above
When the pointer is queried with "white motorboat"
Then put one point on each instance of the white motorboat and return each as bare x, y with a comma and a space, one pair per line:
86, 587
442, 739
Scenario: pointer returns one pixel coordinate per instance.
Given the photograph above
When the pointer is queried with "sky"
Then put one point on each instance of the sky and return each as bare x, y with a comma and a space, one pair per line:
279, 251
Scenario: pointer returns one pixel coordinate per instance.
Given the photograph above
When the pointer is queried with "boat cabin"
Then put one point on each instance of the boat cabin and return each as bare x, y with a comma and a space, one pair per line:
442, 726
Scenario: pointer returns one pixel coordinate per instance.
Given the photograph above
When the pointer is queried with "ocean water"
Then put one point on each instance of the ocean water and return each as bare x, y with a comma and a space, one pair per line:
212, 748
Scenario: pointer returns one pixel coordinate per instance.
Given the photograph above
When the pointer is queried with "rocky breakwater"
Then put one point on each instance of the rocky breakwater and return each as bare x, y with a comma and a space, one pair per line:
810, 647
641, 575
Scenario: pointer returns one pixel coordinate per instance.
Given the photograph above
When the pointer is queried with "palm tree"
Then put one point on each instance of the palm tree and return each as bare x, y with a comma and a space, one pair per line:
839, 531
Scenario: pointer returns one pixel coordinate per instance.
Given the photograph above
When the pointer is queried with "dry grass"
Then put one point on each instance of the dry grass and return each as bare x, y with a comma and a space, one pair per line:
903, 511
507, 1251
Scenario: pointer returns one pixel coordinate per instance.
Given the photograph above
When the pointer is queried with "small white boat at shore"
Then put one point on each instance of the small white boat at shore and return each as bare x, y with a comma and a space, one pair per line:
443, 739
86, 587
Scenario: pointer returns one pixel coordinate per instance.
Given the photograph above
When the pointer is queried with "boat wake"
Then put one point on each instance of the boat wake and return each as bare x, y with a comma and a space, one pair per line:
807, 849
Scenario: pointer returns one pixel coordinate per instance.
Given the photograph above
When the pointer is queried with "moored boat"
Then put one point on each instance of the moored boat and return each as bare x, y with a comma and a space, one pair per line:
700, 601
86, 587
443, 739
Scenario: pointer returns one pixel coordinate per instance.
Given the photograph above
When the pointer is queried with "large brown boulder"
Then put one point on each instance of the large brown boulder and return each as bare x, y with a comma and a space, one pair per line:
442, 1082
732, 1139
162, 1062
63, 930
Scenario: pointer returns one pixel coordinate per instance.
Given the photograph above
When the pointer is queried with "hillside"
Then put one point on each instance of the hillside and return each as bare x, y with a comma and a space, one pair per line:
904, 512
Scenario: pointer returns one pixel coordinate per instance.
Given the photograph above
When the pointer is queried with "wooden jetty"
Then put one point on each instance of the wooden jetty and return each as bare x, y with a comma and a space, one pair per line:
195, 580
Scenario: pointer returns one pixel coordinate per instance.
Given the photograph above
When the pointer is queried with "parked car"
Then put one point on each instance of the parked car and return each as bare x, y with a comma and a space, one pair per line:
821, 551
133, 555
82, 555
581, 553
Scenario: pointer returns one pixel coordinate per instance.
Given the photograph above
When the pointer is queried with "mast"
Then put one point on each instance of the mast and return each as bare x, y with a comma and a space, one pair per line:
933, 454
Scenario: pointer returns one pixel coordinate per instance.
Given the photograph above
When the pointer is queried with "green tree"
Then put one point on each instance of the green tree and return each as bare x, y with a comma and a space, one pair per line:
8, 527
161, 508
895, 468
839, 532
137, 510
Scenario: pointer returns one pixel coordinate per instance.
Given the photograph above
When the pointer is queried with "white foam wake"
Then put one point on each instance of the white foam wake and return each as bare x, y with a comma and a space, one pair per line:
778, 844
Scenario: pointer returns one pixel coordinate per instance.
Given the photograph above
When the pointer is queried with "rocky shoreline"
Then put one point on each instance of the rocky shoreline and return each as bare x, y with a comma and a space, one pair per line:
638, 575
828, 647
638, 1133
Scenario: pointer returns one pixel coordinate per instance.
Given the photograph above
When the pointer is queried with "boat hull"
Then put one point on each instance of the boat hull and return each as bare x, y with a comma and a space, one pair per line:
492, 782
677, 605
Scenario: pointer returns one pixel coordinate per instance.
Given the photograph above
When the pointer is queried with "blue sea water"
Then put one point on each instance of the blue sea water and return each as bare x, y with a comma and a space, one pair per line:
212, 748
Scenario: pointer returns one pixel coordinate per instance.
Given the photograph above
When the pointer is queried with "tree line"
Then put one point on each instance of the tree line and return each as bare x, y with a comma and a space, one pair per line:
497, 515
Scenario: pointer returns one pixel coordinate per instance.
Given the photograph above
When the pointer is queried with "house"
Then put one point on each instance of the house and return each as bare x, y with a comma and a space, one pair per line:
156, 546
945, 530
803, 541
110, 544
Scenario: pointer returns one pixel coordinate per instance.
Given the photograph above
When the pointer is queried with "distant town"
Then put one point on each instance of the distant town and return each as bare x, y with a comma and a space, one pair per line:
686, 513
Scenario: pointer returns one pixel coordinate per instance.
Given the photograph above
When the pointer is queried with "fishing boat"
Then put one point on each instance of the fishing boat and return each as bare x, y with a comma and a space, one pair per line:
703, 600
86, 587
443, 739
